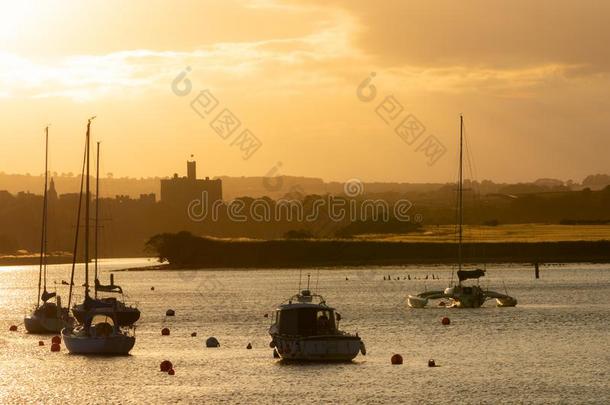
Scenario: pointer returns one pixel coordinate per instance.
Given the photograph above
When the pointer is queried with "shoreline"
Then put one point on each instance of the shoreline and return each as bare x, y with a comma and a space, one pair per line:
183, 251
166, 267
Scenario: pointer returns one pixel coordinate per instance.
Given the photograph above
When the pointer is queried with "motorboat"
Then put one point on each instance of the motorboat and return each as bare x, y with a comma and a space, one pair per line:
307, 329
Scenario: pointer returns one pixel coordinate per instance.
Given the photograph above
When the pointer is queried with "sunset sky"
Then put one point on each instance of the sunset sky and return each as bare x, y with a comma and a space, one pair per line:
532, 79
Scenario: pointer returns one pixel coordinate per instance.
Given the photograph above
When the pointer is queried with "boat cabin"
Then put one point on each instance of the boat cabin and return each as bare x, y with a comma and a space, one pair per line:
305, 318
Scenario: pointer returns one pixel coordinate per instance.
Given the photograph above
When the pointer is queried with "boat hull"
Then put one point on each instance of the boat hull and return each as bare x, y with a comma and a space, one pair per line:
125, 317
41, 325
416, 302
116, 345
319, 348
46, 320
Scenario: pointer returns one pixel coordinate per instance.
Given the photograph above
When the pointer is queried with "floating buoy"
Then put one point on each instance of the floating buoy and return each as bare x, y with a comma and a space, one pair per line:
266, 315
166, 365
445, 320
152, 288
170, 312
13, 328
171, 371
276, 355
165, 332
194, 334
40, 343
249, 346
56, 339
55, 347
396, 359
431, 363
212, 342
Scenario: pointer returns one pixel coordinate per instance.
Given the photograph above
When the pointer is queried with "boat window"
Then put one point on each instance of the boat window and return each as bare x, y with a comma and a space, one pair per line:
325, 322
305, 322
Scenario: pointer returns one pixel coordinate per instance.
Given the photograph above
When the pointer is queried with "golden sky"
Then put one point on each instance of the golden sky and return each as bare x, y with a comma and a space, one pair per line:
530, 77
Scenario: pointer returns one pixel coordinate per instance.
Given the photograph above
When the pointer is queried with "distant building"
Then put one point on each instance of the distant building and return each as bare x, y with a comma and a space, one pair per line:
180, 191
52, 193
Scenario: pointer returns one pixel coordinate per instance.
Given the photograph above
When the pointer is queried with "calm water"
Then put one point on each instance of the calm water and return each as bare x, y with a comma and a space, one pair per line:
552, 348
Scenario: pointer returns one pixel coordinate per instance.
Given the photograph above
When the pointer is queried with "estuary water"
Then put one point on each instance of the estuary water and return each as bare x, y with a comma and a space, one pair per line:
554, 347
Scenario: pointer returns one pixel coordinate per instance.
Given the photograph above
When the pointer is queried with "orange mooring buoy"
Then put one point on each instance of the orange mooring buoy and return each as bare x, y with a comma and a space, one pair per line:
396, 359
194, 334
249, 346
40, 343
171, 371
165, 332
170, 312
431, 363
55, 347
445, 320
56, 340
13, 328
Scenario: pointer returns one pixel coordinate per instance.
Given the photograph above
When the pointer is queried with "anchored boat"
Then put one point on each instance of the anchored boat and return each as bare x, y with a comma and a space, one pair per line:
462, 296
306, 329
47, 317
100, 331
111, 306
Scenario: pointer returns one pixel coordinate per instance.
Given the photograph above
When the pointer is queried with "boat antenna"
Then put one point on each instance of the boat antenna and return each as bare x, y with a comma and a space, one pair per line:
43, 237
78, 212
87, 208
97, 211
460, 195
300, 274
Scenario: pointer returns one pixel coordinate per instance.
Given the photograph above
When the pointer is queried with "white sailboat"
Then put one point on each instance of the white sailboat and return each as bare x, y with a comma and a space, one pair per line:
47, 316
125, 315
99, 332
462, 296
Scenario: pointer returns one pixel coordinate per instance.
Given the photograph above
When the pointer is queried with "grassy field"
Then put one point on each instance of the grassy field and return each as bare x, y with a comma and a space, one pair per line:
502, 233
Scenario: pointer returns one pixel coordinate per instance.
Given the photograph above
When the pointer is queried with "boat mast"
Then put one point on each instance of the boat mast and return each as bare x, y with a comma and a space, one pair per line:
78, 212
87, 208
460, 192
43, 237
97, 210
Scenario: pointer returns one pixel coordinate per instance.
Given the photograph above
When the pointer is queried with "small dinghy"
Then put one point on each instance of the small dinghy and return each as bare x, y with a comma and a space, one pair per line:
305, 330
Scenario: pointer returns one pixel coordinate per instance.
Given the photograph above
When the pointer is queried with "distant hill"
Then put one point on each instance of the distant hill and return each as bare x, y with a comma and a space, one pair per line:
281, 186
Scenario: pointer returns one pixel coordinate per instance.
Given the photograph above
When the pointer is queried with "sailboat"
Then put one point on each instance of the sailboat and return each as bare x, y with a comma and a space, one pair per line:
126, 315
47, 317
99, 332
460, 295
